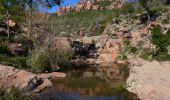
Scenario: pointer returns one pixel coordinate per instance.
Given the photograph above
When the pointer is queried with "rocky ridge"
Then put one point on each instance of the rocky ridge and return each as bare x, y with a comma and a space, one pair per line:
90, 5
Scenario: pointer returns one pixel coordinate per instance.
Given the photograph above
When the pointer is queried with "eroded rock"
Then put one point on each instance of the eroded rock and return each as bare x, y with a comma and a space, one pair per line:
10, 76
150, 81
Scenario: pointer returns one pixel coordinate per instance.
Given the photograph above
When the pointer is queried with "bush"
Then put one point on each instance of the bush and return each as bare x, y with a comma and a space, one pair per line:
15, 61
162, 57
49, 60
39, 61
159, 39
12, 94
124, 70
72, 22
128, 8
64, 57
104, 3
120, 87
4, 50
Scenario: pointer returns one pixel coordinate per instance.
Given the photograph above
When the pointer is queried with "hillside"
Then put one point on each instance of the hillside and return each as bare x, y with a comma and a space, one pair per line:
95, 48
91, 5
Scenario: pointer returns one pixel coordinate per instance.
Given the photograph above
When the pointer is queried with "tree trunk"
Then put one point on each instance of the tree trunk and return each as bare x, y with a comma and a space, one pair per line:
8, 23
30, 19
148, 13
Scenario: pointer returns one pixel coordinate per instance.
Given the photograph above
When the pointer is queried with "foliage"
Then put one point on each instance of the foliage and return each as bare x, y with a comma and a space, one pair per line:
133, 49
124, 70
145, 54
104, 3
12, 94
104, 22
15, 9
152, 7
128, 8
162, 57
72, 22
120, 87
15, 61
39, 61
48, 60
160, 40
64, 57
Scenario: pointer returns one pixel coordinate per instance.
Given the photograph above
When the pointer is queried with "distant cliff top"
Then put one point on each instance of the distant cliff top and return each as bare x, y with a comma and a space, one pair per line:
91, 5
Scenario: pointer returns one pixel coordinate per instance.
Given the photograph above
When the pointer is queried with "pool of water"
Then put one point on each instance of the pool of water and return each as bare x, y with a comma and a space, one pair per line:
85, 84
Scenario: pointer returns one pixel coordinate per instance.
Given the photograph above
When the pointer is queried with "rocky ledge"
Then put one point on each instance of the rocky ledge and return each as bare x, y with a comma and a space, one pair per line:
150, 80
18, 78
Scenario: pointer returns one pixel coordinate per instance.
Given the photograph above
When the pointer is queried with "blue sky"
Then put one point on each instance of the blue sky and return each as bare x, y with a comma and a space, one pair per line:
65, 2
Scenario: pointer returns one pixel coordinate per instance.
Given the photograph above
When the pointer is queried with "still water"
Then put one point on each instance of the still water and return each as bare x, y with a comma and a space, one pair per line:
89, 87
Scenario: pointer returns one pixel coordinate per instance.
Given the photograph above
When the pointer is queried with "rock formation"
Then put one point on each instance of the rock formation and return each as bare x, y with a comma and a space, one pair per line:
90, 5
149, 80
10, 76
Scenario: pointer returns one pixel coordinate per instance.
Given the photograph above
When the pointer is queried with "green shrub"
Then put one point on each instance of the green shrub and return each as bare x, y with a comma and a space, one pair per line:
39, 61
124, 70
104, 3
49, 60
120, 87
14, 61
64, 57
13, 94
19, 62
72, 22
160, 40
4, 50
162, 57
133, 49
128, 8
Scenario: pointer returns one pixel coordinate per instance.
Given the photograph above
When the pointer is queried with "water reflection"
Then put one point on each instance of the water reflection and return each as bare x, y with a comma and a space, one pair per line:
53, 94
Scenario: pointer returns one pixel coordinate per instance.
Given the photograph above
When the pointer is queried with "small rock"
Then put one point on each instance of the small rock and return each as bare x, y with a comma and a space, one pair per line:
88, 74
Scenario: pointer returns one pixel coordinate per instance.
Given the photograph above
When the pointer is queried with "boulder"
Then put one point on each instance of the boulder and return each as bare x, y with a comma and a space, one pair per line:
11, 23
150, 81
88, 74
16, 48
10, 76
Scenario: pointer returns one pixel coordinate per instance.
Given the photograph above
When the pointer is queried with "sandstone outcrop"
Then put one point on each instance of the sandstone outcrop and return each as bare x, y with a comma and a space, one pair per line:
10, 76
90, 5
108, 49
150, 80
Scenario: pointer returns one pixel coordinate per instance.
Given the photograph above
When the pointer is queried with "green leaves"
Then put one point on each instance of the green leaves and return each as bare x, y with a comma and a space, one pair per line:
160, 40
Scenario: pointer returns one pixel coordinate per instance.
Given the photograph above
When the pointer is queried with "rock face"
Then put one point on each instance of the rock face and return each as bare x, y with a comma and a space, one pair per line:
90, 5
108, 49
10, 76
150, 80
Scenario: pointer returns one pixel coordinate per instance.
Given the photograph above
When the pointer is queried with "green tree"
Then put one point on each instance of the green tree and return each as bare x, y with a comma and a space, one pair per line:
12, 9
33, 4
151, 7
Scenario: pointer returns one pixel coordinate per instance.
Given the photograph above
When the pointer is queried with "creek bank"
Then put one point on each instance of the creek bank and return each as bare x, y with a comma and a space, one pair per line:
18, 78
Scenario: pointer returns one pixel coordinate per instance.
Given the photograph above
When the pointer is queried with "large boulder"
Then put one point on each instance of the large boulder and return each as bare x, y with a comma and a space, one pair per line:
150, 80
10, 76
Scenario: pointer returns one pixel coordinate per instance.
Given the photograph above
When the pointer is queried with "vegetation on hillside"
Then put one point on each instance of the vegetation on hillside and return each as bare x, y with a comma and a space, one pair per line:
38, 57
